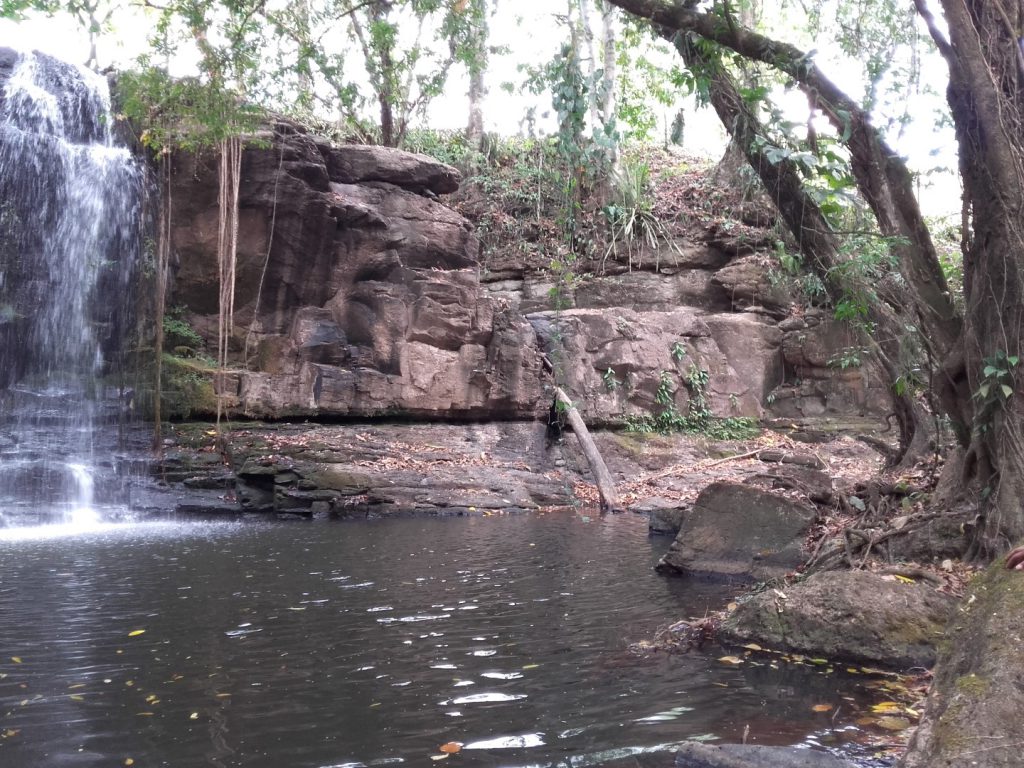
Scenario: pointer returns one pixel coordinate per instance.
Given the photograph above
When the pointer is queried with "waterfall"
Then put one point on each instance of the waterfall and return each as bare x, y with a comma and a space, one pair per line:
70, 210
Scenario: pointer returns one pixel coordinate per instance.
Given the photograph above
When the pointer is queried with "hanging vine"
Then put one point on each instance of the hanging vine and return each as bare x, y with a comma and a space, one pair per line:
227, 259
163, 259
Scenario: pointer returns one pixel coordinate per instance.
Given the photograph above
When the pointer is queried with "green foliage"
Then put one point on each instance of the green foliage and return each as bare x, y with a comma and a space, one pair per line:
678, 351
647, 74
698, 418
996, 387
632, 223
185, 113
178, 332
848, 357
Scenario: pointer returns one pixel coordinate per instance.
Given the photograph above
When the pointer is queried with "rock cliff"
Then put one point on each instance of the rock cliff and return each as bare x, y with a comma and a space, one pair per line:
357, 291
360, 294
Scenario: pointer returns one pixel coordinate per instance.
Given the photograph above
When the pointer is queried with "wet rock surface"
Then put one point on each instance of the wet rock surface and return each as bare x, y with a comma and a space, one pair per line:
377, 470
846, 615
697, 755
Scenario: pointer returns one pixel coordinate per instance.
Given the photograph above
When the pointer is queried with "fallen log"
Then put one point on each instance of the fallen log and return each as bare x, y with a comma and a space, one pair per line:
602, 477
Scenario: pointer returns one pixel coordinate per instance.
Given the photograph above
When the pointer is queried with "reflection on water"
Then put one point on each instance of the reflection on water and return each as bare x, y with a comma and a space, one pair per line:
364, 644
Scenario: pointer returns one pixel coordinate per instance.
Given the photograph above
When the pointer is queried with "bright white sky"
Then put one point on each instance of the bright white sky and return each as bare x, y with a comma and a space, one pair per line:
532, 34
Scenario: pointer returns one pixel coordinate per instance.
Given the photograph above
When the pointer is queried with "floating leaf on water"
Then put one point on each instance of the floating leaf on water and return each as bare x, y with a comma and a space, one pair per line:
530, 666
731, 660
129, 761
890, 723
16, 659
821, 708
887, 706
144, 714
439, 757
194, 716
451, 747
752, 647
820, 662
76, 697
76, 686
136, 632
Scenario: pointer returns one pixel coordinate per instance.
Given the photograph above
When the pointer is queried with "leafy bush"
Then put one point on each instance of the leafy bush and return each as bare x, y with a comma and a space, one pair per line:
631, 220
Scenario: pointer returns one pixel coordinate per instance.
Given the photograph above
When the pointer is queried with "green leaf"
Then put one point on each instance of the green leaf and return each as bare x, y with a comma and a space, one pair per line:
1007, 390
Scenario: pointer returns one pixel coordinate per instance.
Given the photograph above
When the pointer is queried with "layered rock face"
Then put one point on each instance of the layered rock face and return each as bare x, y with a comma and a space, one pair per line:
357, 291
359, 294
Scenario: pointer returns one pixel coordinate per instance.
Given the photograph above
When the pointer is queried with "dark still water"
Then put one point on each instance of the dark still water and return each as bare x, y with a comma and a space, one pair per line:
341, 644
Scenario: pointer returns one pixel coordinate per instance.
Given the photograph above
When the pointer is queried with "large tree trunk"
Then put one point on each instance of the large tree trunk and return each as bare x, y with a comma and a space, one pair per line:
986, 97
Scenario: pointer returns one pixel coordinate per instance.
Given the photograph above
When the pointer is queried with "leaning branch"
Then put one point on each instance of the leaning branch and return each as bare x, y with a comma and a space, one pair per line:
602, 477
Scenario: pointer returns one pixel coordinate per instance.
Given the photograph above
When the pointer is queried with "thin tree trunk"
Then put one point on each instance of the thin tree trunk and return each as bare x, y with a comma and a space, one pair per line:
602, 477
587, 33
608, 52
477, 70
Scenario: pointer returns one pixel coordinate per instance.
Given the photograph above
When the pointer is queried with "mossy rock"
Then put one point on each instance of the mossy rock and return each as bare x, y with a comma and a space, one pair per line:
973, 713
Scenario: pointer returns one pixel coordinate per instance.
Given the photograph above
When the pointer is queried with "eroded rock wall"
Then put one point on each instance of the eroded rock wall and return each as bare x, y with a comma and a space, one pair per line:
360, 294
357, 291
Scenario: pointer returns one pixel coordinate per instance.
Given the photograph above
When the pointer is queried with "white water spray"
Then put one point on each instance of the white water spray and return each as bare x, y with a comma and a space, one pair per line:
70, 218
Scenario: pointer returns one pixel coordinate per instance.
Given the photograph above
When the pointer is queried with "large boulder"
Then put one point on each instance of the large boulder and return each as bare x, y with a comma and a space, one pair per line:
849, 615
973, 713
740, 532
356, 164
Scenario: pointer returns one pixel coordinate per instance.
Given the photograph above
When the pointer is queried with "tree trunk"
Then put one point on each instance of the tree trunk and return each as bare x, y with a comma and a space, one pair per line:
985, 96
608, 52
602, 477
477, 70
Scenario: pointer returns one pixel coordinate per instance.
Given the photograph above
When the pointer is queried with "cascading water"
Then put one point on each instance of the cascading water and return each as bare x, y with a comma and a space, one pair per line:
70, 210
